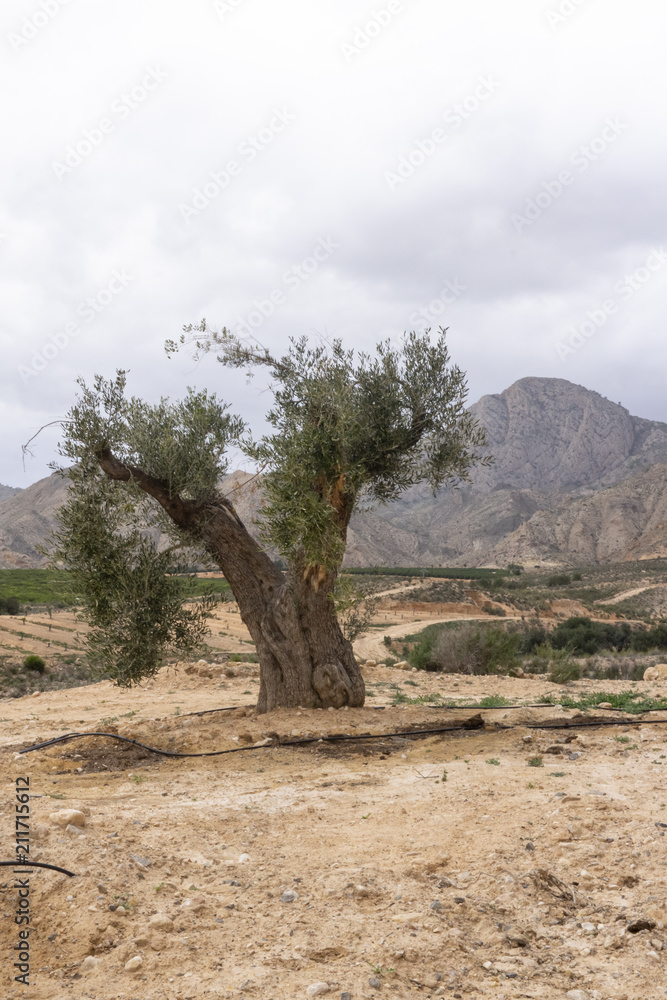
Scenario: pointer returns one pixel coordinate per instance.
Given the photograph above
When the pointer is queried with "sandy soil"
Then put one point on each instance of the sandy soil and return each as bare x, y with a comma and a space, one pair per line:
423, 886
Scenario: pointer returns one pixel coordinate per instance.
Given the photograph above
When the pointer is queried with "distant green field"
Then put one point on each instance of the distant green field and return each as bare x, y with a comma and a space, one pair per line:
198, 586
36, 586
45, 586
448, 572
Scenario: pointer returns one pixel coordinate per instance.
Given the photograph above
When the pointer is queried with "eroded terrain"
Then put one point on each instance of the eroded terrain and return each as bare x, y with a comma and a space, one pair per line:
265, 872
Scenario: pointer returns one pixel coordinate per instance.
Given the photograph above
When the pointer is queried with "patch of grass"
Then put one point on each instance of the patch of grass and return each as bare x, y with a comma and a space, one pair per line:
379, 970
399, 698
493, 760
444, 776
494, 701
556, 774
535, 762
625, 701
242, 657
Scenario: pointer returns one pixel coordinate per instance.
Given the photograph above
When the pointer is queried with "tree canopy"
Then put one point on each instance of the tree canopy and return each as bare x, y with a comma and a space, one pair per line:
347, 429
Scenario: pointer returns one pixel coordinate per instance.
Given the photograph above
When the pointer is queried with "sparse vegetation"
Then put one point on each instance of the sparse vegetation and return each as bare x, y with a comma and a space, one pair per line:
472, 649
36, 663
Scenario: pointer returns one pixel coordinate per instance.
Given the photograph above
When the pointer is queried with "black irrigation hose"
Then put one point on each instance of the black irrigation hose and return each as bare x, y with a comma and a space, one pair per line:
341, 737
217, 753
36, 864
482, 708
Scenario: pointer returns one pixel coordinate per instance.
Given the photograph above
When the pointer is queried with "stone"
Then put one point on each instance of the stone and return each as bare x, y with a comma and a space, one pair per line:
374, 982
317, 989
605, 704
641, 924
134, 964
370, 663
437, 906
289, 896
244, 858
140, 862
67, 817
161, 922
346, 996
401, 665
90, 964
577, 995
656, 673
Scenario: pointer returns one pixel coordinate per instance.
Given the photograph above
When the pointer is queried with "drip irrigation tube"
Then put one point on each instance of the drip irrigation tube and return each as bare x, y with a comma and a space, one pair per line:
353, 737
36, 864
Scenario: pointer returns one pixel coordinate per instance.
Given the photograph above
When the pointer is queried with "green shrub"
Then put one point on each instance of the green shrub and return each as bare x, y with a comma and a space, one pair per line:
653, 638
387, 640
585, 637
559, 580
34, 662
9, 605
577, 577
563, 670
534, 636
473, 650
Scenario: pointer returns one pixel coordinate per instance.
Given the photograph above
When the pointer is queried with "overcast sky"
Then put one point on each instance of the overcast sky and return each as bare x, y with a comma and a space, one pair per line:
331, 168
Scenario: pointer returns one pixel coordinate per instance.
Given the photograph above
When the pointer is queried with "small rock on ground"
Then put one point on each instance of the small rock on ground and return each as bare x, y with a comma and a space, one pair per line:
317, 989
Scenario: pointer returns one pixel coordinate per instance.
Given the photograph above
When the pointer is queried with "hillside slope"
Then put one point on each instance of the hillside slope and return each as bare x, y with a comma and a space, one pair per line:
576, 478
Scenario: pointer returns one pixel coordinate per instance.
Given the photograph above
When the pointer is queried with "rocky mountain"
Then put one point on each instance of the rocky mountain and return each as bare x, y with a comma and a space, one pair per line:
27, 519
8, 491
576, 478
548, 434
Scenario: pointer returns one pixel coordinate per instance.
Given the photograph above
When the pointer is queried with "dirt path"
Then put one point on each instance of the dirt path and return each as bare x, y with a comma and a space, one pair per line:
371, 645
261, 873
630, 593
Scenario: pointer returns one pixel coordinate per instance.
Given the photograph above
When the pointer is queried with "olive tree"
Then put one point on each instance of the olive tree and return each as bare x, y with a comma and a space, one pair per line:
347, 430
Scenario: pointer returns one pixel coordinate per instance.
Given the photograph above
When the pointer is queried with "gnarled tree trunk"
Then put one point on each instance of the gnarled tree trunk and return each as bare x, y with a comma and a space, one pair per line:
304, 659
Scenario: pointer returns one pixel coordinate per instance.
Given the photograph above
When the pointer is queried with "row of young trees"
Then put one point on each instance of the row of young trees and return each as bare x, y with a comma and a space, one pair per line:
347, 430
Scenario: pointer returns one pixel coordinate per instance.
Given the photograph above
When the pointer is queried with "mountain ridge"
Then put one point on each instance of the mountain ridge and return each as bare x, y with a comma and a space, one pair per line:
575, 478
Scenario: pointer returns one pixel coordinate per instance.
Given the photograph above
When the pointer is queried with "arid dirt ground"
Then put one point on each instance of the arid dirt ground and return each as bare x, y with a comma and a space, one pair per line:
352, 865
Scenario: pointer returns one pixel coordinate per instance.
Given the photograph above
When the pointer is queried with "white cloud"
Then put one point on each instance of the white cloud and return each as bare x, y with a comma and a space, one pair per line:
225, 73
